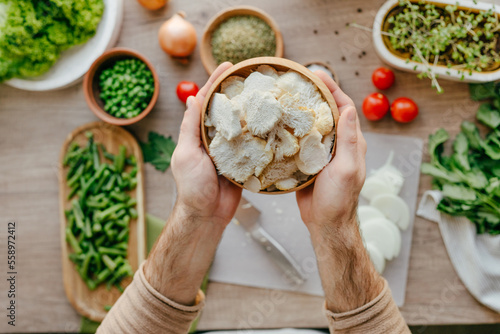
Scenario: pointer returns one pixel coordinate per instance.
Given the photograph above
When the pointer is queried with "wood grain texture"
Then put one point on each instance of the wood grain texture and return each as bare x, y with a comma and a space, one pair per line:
33, 126
91, 303
244, 69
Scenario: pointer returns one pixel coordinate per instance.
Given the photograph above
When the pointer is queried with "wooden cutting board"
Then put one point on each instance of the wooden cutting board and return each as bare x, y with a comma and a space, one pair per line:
86, 302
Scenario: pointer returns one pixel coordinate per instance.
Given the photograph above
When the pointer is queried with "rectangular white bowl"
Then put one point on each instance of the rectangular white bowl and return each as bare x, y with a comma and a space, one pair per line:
412, 66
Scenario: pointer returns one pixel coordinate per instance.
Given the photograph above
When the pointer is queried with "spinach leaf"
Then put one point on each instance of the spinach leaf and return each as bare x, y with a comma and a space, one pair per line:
459, 192
484, 91
488, 115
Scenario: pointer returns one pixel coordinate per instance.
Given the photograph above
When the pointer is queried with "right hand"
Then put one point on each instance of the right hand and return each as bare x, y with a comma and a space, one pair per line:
332, 200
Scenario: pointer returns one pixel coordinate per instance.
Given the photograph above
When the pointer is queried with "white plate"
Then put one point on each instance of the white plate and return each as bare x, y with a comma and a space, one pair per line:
412, 66
75, 62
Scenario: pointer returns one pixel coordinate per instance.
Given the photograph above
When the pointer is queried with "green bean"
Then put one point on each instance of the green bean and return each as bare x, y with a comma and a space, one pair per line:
108, 262
77, 210
76, 176
70, 237
111, 251
97, 223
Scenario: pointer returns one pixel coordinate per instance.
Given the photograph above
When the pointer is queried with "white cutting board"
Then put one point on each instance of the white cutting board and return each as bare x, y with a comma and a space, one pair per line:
240, 260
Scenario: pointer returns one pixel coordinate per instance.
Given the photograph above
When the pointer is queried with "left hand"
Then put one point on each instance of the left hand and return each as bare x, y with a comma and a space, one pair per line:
201, 192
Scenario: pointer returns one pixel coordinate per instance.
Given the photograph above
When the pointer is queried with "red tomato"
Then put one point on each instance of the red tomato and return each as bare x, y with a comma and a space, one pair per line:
383, 78
375, 106
404, 110
186, 89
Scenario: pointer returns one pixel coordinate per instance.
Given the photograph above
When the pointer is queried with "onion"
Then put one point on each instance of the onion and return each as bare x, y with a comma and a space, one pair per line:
152, 4
177, 36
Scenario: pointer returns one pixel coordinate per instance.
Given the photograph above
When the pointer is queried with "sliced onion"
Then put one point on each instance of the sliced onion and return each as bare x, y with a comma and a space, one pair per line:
381, 235
376, 257
366, 213
374, 186
394, 208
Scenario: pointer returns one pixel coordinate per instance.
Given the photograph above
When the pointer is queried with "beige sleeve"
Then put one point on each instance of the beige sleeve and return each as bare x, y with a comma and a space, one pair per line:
380, 316
142, 309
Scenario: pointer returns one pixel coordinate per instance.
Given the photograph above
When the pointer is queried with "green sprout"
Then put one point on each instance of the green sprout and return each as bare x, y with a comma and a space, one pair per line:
462, 40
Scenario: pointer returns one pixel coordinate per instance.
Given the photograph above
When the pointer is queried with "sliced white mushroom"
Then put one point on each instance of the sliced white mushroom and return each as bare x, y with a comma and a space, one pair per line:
268, 70
394, 208
295, 83
252, 184
260, 82
312, 156
240, 158
282, 143
324, 119
367, 212
300, 118
225, 116
262, 112
381, 235
286, 184
376, 257
277, 170
374, 186
232, 86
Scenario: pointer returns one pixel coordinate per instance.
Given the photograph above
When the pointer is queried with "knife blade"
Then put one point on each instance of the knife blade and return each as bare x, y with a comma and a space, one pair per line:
248, 217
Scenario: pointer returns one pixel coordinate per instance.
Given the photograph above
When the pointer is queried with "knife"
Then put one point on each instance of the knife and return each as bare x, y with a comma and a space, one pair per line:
247, 216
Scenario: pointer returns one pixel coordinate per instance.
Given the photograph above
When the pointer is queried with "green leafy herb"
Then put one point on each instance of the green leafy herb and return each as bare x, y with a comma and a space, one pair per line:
480, 92
488, 115
470, 178
158, 150
461, 40
33, 33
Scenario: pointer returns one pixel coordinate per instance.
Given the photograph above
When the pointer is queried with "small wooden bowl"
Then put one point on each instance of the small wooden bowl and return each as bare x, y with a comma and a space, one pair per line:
328, 67
206, 41
91, 85
244, 69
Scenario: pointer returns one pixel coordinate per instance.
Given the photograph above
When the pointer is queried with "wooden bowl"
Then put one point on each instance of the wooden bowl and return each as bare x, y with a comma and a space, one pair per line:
206, 41
328, 67
91, 85
244, 69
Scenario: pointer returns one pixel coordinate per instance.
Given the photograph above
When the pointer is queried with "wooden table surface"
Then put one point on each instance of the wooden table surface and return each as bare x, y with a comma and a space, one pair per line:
34, 125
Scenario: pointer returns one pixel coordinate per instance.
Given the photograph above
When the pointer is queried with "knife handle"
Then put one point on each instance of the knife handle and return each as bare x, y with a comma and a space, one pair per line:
280, 255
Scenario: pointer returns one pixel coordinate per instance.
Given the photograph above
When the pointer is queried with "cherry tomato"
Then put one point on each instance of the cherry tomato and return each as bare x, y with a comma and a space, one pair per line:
383, 78
186, 89
404, 110
375, 106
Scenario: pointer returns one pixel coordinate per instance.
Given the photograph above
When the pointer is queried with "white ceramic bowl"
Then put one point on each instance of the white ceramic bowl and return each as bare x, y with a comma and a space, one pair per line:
75, 62
413, 66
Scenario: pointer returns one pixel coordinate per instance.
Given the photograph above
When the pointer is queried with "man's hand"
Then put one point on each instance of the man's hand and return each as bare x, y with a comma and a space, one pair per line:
333, 198
205, 204
328, 208
201, 192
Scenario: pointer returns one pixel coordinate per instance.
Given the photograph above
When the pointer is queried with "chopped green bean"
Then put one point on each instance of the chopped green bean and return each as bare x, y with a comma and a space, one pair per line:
97, 223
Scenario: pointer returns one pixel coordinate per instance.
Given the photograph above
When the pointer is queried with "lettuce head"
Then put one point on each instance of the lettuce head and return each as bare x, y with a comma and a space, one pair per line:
33, 33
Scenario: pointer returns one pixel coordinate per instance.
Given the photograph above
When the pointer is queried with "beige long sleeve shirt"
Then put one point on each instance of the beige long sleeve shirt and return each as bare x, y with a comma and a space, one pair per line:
142, 309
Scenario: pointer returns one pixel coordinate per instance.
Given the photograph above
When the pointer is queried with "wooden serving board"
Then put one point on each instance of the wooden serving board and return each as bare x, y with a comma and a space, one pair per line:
86, 302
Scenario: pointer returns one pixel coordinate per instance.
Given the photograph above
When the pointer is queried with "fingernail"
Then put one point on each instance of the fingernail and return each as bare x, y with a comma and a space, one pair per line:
351, 116
189, 101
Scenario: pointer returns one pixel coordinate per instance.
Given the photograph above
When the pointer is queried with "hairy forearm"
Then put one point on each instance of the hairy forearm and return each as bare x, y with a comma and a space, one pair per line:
182, 255
348, 277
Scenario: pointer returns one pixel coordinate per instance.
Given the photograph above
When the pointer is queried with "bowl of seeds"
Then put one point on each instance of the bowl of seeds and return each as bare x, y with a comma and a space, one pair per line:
121, 86
237, 34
